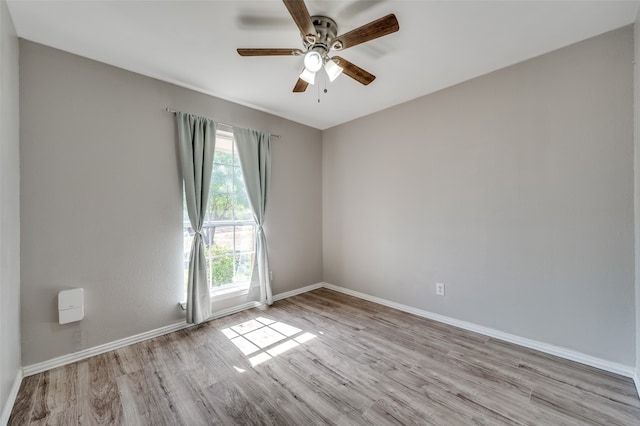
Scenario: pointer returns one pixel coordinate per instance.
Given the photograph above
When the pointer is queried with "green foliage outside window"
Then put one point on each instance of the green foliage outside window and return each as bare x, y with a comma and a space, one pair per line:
222, 267
227, 183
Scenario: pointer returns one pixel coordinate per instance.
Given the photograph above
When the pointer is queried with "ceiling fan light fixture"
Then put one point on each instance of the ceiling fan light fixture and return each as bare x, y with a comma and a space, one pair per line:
313, 61
320, 36
308, 76
333, 70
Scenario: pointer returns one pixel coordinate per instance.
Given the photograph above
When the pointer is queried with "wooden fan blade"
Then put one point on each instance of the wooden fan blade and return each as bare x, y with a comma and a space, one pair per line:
300, 86
378, 28
269, 52
354, 71
298, 11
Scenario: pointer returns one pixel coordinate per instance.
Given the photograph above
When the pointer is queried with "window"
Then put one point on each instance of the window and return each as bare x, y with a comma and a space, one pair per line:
229, 229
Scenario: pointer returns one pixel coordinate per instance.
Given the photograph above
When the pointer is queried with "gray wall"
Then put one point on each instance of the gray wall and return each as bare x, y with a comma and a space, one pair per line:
101, 199
10, 362
514, 189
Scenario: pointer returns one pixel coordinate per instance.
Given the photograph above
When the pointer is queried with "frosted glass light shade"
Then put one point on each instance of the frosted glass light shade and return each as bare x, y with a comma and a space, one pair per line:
308, 76
333, 70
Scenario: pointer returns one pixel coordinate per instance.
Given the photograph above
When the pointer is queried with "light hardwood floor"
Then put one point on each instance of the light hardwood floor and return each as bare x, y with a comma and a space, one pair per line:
325, 358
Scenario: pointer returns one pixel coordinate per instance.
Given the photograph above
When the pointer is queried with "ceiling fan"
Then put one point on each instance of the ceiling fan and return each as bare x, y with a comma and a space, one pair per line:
319, 37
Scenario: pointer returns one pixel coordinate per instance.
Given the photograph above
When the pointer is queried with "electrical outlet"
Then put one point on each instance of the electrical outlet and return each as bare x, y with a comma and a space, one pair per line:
440, 289
270, 275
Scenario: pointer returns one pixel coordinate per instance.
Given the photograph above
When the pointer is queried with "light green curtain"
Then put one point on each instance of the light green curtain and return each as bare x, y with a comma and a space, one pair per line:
254, 150
196, 140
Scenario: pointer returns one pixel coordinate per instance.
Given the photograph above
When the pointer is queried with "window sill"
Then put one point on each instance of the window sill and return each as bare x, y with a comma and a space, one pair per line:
230, 292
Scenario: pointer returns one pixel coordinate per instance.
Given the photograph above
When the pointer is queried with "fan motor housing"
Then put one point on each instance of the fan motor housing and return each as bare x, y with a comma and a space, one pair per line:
327, 30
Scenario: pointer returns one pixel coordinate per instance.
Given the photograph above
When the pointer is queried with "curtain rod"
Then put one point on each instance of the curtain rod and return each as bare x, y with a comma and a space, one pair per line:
173, 111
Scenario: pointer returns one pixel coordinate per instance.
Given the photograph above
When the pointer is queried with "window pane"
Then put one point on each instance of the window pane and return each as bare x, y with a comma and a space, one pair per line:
221, 178
220, 205
244, 267
222, 270
245, 238
222, 240
224, 151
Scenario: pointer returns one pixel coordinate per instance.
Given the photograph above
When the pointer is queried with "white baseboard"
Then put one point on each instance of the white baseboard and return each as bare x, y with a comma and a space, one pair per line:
569, 354
636, 380
11, 399
32, 369
297, 291
522, 341
39, 367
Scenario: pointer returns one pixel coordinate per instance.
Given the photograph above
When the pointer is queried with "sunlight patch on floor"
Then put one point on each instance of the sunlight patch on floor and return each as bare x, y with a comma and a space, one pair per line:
261, 339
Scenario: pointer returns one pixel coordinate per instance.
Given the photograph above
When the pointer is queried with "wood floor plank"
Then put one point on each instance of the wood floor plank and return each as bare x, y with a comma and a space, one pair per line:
330, 385
325, 358
232, 406
63, 385
581, 403
314, 402
67, 417
40, 412
558, 372
394, 412
263, 381
130, 413
152, 400
491, 374
25, 400
98, 395
56, 398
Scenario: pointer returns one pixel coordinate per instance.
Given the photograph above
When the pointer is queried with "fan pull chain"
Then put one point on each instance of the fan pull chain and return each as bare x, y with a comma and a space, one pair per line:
325, 87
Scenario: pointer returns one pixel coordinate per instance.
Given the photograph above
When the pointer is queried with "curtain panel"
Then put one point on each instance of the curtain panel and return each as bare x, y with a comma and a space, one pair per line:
196, 141
254, 150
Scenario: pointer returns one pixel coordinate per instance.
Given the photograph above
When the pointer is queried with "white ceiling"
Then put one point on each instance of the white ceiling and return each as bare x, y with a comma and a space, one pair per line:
192, 44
